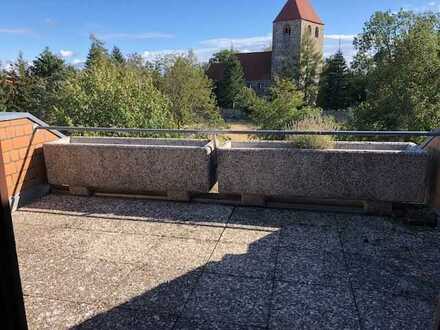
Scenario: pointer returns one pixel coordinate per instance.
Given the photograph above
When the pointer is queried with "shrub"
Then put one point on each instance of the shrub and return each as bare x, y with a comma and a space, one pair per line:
314, 123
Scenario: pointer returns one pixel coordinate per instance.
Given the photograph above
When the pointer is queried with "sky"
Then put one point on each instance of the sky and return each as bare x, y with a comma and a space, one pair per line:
152, 28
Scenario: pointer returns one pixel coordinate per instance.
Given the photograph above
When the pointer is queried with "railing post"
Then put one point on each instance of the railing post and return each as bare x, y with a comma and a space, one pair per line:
11, 295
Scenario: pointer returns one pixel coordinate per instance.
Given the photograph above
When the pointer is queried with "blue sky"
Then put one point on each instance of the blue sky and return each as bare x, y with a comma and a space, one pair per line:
152, 27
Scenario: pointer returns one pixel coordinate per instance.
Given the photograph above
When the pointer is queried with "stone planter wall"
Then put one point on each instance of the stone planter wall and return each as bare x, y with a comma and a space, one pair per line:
128, 165
375, 172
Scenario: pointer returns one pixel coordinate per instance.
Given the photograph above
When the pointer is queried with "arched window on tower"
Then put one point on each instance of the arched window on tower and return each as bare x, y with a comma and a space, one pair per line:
309, 29
317, 32
287, 30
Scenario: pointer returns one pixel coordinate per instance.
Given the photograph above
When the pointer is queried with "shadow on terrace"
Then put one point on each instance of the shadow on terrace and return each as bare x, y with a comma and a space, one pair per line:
201, 266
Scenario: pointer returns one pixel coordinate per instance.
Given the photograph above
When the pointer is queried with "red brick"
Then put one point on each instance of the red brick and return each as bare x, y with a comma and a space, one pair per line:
22, 152
14, 155
10, 169
19, 130
21, 142
6, 145
6, 157
28, 129
2, 133
10, 132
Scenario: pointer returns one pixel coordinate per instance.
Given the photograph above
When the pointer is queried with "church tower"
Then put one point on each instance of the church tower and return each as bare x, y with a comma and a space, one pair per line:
289, 28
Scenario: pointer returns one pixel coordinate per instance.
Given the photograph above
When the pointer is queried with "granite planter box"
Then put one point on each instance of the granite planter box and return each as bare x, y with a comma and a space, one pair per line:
372, 172
131, 165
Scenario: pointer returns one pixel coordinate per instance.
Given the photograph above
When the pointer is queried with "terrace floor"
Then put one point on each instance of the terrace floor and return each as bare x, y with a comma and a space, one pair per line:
104, 263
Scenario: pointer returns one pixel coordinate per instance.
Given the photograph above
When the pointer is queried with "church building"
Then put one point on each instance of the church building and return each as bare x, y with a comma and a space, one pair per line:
295, 20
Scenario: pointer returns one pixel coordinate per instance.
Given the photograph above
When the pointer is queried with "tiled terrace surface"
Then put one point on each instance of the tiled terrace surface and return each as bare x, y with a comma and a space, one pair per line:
96, 263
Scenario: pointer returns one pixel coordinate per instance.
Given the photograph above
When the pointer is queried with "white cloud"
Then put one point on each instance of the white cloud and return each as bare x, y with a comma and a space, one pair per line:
6, 65
135, 36
16, 31
251, 43
254, 44
66, 53
343, 37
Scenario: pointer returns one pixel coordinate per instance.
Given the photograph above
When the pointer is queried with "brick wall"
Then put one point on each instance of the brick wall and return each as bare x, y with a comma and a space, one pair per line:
22, 151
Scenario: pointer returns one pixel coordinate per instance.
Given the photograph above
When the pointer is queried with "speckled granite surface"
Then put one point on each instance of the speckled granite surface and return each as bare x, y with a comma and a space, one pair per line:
103, 263
386, 172
121, 165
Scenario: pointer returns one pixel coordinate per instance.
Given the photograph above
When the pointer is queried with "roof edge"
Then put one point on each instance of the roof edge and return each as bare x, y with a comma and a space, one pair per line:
5, 116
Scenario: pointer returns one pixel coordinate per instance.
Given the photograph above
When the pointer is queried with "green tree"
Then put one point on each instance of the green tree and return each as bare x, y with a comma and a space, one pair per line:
285, 107
403, 83
3, 91
111, 95
47, 65
18, 82
117, 55
334, 83
190, 91
306, 73
229, 89
97, 52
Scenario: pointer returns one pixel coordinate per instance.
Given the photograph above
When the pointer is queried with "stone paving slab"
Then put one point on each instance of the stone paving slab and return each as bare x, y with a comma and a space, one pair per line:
121, 248
383, 311
249, 236
180, 255
316, 266
297, 306
130, 209
67, 278
207, 231
138, 264
399, 275
119, 318
193, 324
155, 290
255, 260
44, 313
53, 241
230, 299
249, 217
310, 237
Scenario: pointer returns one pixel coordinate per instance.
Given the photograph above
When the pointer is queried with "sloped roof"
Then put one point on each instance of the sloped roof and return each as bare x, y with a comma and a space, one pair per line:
256, 66
298, 9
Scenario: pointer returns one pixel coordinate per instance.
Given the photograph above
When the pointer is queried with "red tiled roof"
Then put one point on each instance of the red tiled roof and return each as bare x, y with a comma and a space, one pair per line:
256, 66
298, 9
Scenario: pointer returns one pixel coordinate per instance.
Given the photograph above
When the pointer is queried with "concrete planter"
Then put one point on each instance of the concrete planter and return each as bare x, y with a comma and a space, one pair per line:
131, 165
381, 172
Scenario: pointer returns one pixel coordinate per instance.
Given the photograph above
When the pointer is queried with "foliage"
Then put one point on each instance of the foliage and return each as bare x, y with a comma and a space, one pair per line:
229, 89
97, 52
3, 92
48, 65
189, 90
117, 55
307, 71
286, 105
334, 83
315, 122
403, 73
111, 91
110, 95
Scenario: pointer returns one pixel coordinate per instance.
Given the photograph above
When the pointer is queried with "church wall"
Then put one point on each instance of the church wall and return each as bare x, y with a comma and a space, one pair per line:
285, 46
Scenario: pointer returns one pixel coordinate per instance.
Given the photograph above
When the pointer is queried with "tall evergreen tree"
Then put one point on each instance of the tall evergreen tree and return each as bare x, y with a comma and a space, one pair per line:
97, 52
47, 64
334, 83
117, 55
228, 90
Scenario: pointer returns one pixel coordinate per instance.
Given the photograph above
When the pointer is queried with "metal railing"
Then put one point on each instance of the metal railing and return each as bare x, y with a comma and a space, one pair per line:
434, 133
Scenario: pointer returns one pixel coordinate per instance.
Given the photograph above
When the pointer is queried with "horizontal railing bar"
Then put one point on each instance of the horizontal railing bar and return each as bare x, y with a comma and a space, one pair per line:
246, 132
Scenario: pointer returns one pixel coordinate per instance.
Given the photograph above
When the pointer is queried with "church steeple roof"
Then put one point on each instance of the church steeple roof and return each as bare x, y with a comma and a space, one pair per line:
298, 9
